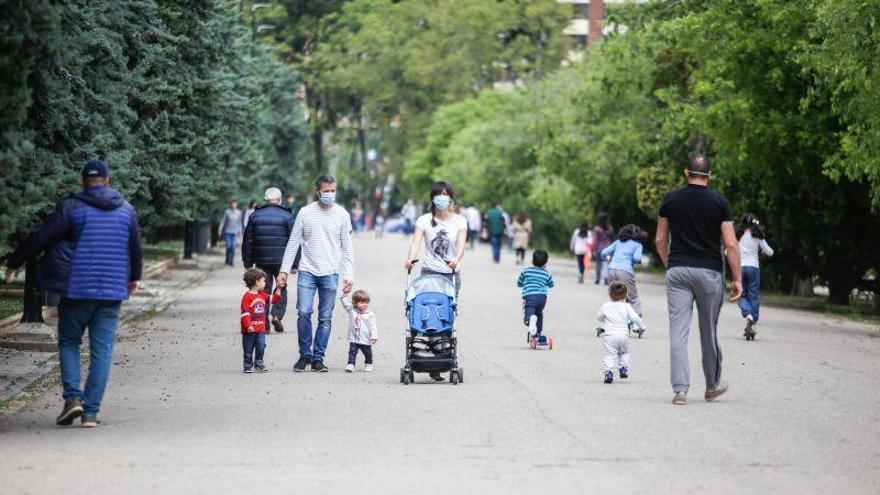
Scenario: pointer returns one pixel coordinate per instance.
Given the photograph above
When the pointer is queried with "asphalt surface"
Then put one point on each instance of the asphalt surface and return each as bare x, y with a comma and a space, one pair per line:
802, 414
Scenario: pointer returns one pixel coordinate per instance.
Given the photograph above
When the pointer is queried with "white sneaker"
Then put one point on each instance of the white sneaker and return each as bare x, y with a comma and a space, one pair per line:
349, 368
368, 367
533, 325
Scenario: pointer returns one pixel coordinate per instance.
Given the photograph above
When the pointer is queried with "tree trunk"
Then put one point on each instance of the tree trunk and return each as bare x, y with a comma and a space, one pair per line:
839, 293
318, 145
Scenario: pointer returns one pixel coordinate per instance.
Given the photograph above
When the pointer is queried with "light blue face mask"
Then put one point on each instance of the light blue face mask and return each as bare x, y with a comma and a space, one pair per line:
328, 198
442, 202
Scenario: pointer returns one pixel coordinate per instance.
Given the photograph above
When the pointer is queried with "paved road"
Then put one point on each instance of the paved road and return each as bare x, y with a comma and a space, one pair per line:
802, 416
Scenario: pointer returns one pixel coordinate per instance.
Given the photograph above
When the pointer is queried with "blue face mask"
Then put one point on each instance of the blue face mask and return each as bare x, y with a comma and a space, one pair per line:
442, 202
328, 198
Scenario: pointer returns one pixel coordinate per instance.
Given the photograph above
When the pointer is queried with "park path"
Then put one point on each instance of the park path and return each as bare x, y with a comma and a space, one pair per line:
802, 414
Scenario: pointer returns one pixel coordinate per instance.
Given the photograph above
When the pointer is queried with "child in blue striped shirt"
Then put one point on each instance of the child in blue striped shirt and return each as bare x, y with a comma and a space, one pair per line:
535, 282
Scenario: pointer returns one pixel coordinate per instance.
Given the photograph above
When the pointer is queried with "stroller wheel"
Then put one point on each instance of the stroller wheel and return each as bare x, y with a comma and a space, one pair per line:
461, 375
453, 377
404, 377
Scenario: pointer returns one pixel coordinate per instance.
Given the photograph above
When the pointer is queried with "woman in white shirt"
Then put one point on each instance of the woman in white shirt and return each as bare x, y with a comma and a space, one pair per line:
444, 234
751, 244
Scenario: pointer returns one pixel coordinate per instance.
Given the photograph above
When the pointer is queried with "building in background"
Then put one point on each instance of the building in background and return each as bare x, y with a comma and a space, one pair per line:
587, 25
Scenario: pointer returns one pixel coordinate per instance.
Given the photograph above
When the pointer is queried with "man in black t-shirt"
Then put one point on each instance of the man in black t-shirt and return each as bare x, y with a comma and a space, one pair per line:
699, 219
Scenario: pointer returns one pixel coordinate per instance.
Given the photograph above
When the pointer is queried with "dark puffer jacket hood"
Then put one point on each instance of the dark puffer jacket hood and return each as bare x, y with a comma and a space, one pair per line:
103, 197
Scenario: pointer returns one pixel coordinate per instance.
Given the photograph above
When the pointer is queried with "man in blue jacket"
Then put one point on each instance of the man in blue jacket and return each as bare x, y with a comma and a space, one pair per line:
265, 239
93, 260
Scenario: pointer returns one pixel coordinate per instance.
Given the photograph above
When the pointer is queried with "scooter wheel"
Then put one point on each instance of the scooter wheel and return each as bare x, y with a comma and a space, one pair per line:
550, 343
533, 344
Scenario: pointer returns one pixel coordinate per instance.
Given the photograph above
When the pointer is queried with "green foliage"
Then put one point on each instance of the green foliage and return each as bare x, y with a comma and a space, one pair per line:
781, 95
188, 110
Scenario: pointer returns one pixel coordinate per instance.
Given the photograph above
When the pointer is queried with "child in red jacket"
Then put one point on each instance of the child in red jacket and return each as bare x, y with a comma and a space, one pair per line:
253, 319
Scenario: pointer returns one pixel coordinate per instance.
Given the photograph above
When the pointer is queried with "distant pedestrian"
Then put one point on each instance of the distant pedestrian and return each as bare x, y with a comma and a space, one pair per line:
379, 224
535, 282
698, 219
496, 228
603, 236
358, 217
292, 206
362, 329
751, 244
249, 212
323, 231
621, 257
93, 261
254, 305
475, 224
263, 244
230, 228
581, 246
409, 213
616, 317
522, 231
508, 229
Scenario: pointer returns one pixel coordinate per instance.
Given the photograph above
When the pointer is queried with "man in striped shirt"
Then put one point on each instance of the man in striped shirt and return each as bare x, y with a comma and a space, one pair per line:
535, 282
323, 231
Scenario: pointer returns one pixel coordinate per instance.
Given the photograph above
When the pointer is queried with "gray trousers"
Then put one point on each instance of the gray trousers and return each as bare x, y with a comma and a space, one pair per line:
684, 286
629, 280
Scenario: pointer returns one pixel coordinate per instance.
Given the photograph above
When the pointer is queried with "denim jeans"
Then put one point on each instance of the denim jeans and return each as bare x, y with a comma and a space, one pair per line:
495, 241
306, 287
102, 319
534, 305
229, 239
749, 303
254, 345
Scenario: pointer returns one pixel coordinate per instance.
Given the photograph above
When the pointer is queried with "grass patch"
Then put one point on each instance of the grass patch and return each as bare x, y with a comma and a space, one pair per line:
10, 305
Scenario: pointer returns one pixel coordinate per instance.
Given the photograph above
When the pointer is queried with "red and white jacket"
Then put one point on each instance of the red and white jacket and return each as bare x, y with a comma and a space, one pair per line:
253, 310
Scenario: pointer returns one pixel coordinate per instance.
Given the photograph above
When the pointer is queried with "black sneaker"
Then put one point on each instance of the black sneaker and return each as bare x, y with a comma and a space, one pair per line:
609, 377
90, 421
624, 373
318, 366
72, 409
260, 368
436, 376
301, 364
276, 323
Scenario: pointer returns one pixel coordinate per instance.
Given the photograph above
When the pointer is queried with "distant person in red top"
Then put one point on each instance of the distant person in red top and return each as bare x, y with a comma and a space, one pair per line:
253, 319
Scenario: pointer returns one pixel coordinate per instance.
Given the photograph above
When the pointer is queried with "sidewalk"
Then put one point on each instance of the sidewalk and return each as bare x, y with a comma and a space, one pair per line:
21, 368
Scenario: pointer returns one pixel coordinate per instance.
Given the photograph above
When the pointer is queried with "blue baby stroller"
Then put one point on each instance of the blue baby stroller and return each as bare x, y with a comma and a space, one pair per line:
431, 344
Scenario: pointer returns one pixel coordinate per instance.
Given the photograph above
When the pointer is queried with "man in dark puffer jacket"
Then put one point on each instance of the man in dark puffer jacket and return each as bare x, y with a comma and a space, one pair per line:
93, 261
265, 239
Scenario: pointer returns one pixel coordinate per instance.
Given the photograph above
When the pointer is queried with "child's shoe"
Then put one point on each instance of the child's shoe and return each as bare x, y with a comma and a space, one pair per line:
599, 332
624, 373
349, 368
368, 367
533, 325
609, 377
260, 368
248, 370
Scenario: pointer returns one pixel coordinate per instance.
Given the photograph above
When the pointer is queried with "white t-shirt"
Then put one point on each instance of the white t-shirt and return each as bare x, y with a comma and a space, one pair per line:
749, 248
474, 220
441, 241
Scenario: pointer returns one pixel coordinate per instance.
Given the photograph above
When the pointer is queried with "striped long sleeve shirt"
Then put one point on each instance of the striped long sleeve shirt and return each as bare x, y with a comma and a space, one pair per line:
325, 238
534, 281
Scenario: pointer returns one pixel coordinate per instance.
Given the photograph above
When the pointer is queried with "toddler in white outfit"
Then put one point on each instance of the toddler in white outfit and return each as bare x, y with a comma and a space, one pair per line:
362, 331
616, 317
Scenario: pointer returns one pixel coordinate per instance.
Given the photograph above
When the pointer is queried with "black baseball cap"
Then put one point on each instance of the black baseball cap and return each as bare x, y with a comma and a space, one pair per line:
96, 168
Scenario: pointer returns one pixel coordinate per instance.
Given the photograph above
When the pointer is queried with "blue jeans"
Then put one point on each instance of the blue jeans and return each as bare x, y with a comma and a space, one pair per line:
534, 305
102, 319
749, 303
253, 343
495, 241
229, 239
306, 287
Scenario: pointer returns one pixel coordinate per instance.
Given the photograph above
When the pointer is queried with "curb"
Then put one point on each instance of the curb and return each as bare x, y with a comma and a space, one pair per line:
52, 362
